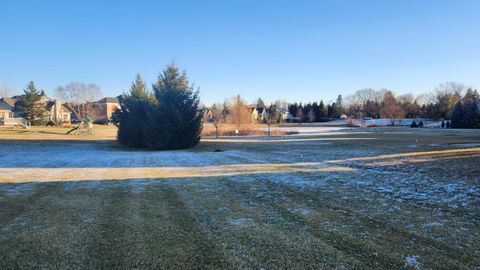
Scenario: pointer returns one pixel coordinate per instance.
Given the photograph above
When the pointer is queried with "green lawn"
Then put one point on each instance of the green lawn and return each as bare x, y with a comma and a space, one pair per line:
369, 198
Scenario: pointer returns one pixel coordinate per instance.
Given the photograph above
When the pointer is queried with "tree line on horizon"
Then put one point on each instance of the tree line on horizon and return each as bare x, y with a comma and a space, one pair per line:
449, 101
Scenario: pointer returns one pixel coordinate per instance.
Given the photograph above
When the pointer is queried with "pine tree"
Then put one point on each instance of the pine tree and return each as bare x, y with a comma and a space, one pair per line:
477, 95
174, 121
273, 114
292, 109
471, 117
31, 106
225, 111
334, 111
458, 116
260, 103
317, 112
130, 118
340, 106
323, 110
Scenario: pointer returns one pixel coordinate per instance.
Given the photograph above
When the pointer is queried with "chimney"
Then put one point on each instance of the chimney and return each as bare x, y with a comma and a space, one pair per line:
58, 106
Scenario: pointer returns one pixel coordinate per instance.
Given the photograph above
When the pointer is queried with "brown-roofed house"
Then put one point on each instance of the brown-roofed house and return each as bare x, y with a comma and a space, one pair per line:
102, 110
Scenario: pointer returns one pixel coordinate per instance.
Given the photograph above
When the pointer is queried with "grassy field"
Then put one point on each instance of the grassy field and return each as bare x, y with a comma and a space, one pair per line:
99, 133
390, 198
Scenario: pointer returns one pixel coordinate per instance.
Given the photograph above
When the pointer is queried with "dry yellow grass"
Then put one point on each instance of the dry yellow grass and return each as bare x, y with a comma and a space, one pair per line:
17, 175
245, 130
99, 132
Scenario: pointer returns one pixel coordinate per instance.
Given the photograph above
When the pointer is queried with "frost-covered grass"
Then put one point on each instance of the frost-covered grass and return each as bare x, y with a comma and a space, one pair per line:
352, 198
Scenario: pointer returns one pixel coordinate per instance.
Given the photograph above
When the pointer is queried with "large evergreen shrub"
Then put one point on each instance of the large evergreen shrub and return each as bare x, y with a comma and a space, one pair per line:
169, 118
131, 117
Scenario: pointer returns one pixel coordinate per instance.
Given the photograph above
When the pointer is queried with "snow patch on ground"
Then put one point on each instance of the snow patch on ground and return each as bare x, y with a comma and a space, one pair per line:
241, 221
304, 130
432, 224
412, 261
465, 145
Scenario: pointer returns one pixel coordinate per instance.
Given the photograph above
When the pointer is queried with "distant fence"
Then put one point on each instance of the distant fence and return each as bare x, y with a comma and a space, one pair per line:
399, 122
15, 122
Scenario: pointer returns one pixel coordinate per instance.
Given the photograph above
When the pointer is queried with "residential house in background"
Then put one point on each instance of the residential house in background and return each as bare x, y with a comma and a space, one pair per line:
58, 113
9, 116
103, 109
259, 115
7, 108
286, 116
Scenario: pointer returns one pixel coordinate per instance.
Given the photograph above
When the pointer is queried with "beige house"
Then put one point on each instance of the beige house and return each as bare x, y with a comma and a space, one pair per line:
58, 113
259, 115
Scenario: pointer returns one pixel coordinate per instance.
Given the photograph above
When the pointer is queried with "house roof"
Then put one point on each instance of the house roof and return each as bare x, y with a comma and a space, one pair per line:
281, 110
108, 100
50, 104
3, 107
10, 101
259, 110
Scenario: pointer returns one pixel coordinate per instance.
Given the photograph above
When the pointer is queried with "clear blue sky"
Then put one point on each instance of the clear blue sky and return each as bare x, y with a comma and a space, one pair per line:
293, 50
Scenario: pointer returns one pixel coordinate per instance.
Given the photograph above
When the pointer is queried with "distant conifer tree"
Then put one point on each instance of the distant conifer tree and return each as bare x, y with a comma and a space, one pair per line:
471, 115
458, 116
31, 106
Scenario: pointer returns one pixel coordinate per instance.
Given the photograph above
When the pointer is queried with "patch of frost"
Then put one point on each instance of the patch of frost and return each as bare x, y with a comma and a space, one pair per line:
241, 221
432, 224
412, 261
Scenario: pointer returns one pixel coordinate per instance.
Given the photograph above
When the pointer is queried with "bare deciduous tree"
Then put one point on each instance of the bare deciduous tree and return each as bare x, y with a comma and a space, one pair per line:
448, 94
358, 102
452, 87
300, 115
311, 115
6, 92
79, 97
426, 98
216, 116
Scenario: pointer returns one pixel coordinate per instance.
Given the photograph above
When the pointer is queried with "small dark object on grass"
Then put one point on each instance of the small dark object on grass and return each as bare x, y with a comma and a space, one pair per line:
218, 150
414, 124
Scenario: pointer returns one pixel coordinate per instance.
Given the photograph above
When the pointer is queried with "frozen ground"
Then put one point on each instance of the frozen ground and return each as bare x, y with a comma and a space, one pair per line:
338, 198
312, 130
